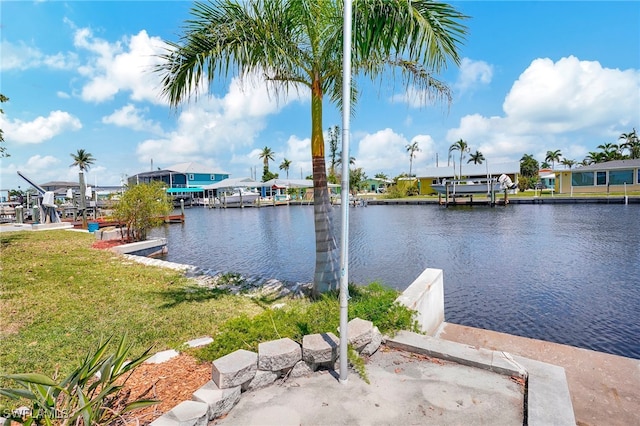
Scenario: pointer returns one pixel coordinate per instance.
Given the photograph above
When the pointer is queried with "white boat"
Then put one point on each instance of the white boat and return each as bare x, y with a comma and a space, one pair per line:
237, 196
474, 186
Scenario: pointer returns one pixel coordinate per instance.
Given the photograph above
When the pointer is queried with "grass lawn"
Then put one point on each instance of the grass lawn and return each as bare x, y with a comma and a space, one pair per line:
59, 297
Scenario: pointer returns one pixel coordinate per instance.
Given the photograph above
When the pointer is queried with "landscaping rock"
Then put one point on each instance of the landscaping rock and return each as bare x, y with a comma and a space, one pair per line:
278, 354
187, 413
376, 340
262, 379
301, 369
360, 333
235, 369
320, 348
219, 401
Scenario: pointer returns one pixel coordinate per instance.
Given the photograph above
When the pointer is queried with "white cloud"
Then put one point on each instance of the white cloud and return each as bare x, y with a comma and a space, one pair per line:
473, 73
40, 129
133, 118
386, 151
218, 127
63, 95
21, 57
123, 66
556, 105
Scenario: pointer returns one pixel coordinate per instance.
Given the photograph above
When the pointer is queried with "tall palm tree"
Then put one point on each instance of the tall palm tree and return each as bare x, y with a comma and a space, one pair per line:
595, 157
476, 157
297, 44
285, 166
83, 160
553, 156
631, 143
461, 146
611, 151
265, 155
412, 148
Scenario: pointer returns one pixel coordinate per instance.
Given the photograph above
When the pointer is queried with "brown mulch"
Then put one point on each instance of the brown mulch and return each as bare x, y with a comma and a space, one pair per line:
171, 382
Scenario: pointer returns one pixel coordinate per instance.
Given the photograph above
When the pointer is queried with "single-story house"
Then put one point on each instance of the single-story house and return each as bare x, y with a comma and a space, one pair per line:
600, 178
182, 179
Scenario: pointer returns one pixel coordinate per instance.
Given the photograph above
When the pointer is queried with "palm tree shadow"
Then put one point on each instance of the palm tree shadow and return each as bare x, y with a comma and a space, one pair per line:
190, 294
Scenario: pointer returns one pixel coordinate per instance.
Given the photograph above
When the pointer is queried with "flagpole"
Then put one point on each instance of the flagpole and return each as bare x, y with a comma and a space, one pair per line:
344, 194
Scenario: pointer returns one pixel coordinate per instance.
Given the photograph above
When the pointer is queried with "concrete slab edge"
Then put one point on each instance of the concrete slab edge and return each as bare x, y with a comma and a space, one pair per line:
547, 396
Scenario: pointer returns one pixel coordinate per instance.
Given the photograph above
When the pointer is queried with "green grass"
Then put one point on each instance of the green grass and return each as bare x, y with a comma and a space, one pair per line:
59, 297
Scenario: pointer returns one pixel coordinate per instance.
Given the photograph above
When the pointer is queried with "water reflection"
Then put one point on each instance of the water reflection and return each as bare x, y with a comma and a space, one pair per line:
564, 273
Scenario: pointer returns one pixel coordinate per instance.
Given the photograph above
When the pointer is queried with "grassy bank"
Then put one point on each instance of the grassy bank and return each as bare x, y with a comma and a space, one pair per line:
59, 297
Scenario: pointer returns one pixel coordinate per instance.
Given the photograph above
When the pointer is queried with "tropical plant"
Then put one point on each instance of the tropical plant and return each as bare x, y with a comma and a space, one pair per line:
3, 149
90, 395
298, 44
382, 176
285, 166
568, 163
352, 160
412, 148
83, 160
595, 157
334, 138
266, 155
545, 165
461, 146
476, 157
610, 151
553, 156
529, 166
631, 143
142, 207
357, 177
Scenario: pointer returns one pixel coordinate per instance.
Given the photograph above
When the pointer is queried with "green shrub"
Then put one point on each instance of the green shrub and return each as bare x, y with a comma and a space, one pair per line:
375, 303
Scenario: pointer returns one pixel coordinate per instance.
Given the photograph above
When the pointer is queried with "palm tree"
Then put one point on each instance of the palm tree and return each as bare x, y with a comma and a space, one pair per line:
296, 44
595, 157
352, 160
83, 160
461, 146
265, 155
568, 163
285, 166
631, 143
3, 149
553, 156
412, 148
476, 157
611, 151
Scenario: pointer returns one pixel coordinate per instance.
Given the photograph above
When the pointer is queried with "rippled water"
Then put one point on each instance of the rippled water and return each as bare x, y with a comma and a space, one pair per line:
563, 273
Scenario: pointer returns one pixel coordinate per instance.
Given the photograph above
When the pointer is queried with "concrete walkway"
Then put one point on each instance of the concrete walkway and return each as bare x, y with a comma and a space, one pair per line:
405, 389
604, 388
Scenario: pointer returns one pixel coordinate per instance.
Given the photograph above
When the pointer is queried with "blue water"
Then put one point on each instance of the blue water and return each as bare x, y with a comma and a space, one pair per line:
563, 273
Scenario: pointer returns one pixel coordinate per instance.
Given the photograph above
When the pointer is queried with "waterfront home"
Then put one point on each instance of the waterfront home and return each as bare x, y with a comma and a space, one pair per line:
600, 178
435, 175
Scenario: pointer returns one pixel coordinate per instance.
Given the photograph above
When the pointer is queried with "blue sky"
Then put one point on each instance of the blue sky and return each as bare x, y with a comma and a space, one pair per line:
535, 76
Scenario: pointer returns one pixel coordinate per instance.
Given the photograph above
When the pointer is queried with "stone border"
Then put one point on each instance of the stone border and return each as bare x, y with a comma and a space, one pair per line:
244, 370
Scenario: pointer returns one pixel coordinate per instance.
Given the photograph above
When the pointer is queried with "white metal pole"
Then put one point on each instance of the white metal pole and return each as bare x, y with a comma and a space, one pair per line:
344, 195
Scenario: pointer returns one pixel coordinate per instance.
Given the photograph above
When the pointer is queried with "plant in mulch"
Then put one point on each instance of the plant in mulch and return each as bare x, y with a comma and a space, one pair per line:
90, 395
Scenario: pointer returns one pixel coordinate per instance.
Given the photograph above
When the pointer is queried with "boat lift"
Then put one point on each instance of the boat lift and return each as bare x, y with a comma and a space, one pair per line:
46, 203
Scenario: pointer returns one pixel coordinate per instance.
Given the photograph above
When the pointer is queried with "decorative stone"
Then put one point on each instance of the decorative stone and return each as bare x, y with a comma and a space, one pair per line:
360, 333
219, 401
278, 354
320, 348
187, 413
262, 379
301, 369
196, 343
161, 357
376, 340
234, 369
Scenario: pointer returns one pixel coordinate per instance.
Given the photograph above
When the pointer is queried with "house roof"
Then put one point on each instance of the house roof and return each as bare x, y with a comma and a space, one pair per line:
609, 165
493, 169
193, 167
60, 184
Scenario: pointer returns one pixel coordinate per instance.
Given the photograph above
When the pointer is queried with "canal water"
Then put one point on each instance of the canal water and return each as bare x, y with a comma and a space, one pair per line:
563, 273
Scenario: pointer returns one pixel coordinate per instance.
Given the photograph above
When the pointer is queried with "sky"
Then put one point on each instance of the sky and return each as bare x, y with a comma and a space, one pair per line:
534, 77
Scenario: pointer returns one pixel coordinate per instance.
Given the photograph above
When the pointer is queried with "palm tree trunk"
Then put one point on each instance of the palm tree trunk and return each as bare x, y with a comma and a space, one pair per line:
83, 200
327, 254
